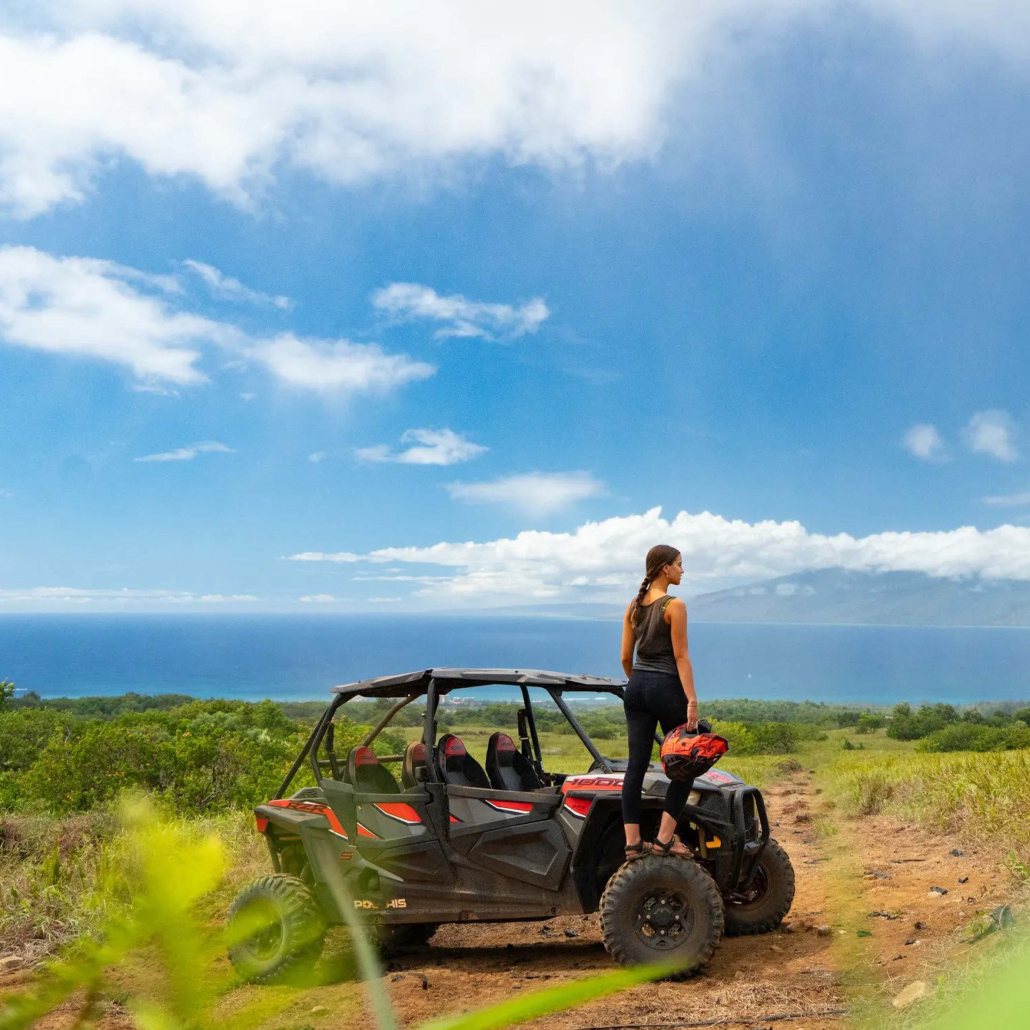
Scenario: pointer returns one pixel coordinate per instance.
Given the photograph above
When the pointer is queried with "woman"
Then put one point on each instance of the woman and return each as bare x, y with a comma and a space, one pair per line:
660, 690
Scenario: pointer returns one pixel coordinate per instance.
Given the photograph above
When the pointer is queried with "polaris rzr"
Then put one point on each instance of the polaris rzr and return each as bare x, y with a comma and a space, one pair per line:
444, 840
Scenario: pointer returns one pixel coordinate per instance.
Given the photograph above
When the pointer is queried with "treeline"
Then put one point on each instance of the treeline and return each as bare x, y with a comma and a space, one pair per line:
197, 756
741, 722
944, 727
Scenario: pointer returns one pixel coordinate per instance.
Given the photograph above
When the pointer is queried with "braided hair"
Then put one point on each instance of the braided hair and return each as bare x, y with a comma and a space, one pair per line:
657, 558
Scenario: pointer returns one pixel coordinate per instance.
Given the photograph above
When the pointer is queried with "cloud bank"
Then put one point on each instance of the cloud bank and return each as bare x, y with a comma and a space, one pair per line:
125, 596
232, 93
604, 560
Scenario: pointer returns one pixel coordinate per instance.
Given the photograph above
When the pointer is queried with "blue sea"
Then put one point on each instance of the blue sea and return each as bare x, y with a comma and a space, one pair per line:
301, 657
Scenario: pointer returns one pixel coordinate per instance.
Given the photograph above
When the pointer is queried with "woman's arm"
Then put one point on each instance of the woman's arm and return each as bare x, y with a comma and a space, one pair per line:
676, 616
627, 642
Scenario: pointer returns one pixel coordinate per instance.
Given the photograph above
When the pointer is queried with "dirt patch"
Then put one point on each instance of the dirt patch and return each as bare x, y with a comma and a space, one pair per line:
864, 913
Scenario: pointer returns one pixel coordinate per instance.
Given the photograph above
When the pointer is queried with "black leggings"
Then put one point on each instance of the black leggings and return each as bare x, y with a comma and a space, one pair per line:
651, 698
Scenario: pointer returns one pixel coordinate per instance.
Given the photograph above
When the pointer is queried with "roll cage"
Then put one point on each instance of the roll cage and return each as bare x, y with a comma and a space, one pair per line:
432, 684
733, 818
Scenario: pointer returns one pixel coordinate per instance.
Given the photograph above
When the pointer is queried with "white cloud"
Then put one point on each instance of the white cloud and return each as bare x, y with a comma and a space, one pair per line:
991, 432
87, 308
338, 556
408, 302
385, 600
228, 92
717, 553
434, 447
190, 452
536, 493
91, 309
227, 288
336, 365
318, 599
1008, 500
924, 442
120, 597
318, 456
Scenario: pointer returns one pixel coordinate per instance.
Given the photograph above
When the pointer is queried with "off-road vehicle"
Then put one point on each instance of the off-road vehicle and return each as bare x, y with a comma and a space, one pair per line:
430, 836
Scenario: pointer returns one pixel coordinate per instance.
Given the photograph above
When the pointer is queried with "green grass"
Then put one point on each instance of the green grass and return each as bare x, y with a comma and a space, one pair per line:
985, 795
59, 876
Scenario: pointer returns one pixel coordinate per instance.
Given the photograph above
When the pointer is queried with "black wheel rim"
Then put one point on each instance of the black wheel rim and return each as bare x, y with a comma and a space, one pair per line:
663, 918
755, 892
266, 940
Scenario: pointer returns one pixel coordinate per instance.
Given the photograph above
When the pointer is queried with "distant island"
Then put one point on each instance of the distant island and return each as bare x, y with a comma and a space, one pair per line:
857, 598
841, 597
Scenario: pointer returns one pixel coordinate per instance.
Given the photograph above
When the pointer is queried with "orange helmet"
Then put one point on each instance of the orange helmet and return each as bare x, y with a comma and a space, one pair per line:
687, 753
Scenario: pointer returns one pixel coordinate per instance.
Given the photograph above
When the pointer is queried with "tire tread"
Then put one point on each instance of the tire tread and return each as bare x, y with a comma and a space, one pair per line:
622, 882
299, 907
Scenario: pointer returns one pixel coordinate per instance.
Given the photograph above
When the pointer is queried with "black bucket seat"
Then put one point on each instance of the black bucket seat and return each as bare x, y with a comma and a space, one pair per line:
367, 775
507, 767
456, 766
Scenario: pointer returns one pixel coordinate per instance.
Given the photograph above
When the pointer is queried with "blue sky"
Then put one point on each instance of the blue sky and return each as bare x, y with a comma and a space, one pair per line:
765, 262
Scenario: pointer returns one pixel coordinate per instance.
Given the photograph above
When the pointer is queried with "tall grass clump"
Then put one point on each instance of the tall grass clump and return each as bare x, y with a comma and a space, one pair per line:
61, 879
975, 794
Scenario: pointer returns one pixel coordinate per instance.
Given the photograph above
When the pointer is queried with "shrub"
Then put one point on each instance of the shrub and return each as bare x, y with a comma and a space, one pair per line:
23, 734
908, 725
203, 756
964, 736
766, 738
867, 723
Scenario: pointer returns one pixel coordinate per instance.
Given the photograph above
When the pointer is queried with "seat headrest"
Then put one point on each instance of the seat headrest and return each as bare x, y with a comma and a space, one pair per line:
507, 767
453, 747
366, 774
456, 766
504, 748
414, 763
360, 757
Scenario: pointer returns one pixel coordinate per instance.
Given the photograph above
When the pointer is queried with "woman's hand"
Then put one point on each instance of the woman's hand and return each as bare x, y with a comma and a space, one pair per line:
692, 715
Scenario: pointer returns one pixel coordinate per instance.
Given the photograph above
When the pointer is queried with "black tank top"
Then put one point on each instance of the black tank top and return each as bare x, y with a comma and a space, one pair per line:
653, 636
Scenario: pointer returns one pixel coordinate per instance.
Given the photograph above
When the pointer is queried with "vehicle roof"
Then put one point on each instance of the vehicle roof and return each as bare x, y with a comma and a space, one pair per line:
450, 679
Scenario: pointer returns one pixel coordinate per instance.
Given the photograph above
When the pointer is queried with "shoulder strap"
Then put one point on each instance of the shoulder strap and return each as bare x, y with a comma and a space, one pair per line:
665, 604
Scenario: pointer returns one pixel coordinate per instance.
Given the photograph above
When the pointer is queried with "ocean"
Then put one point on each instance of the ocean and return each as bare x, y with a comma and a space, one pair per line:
300, 657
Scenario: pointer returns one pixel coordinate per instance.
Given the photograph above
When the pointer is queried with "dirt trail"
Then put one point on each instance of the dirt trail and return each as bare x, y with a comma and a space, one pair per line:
749, 977
873, 876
